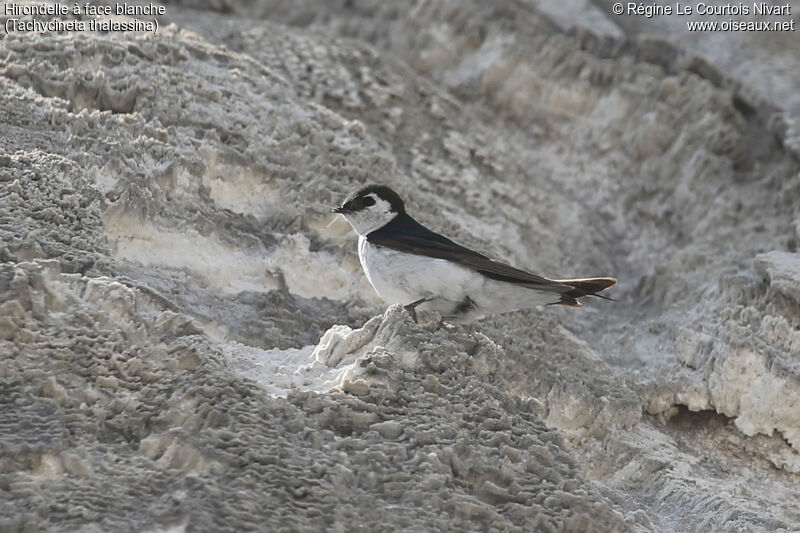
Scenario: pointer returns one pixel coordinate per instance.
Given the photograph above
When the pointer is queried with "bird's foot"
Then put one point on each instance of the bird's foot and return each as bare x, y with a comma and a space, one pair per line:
412, 308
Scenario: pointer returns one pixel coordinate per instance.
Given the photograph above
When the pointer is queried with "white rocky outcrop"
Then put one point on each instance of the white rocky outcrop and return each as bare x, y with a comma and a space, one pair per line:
187, 342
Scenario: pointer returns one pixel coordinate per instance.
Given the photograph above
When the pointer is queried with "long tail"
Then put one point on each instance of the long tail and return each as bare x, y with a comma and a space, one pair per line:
584, 287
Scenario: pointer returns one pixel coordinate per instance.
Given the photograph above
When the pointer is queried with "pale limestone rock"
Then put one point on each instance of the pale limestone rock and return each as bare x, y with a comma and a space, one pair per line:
182, 323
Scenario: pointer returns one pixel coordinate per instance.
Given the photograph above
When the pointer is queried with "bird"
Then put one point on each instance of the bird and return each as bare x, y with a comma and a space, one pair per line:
409, 264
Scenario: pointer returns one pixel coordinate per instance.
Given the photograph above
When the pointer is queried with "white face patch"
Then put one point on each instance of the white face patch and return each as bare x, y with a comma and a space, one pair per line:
371, 217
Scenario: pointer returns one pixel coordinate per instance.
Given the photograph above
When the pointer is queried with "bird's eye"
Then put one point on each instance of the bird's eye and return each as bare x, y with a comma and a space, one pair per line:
369, 200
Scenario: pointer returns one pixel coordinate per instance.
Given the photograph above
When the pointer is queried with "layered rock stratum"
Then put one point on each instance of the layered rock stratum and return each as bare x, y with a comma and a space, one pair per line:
187, 342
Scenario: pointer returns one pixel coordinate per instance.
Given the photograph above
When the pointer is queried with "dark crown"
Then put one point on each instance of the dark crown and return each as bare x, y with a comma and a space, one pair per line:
383, 192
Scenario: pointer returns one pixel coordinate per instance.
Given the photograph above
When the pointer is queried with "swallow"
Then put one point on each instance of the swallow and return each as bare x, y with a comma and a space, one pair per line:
409, 264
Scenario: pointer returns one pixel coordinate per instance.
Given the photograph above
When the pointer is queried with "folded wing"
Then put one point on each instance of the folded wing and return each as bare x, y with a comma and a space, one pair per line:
405, 234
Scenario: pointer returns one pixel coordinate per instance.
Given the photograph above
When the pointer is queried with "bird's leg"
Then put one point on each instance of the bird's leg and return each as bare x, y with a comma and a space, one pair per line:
412, 307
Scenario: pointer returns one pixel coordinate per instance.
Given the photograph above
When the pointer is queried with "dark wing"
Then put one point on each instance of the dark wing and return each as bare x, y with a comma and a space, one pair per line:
405, 234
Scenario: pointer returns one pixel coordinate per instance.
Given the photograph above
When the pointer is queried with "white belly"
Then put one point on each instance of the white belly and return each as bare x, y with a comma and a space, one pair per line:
405, 278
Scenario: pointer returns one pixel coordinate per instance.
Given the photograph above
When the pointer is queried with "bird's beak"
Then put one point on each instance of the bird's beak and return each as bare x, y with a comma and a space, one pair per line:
338, 210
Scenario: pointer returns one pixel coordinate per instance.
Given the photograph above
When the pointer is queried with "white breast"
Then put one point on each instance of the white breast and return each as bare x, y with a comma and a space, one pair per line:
404, 278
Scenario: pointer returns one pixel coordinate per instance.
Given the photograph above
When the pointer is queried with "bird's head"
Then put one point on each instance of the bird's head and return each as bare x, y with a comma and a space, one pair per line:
370, 208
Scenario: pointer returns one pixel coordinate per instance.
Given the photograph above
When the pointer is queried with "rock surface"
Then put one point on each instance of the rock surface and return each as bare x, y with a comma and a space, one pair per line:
187, 342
